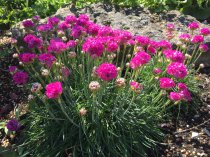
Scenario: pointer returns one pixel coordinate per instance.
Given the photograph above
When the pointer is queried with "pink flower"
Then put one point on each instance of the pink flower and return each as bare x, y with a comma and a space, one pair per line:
94, 47
205, 31
104, 31
177, 69
174, 96
164, 44
32, 41
71, 44
182, 86
65, 71
170, 27
53, 90
166, 83
157, 71
185, 94
112, 46
203, 48
176, 56
93, 29
193, 26
57, 46
53, 20
107, 71
83, 20
20, 78
12, 69
142, 40
63, 26
36, 18
28, 23
78, 31
44, 28
27, 57
71, 19
136, 87
47, 58
184, 38
124, 37
13, 125
139, 59
197, 39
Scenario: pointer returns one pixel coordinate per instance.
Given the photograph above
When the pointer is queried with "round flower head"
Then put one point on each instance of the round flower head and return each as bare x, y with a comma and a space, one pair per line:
78, 31
193, 26
45, 72
177, 56
36, 87
124, 37
197, 39
94, 86
63, 26
44, 28
12, 69
112, 46
28, 23
203, 48
71, 19
107, 71
182, 86
20, 78
94, 47
57, 46
71, 44
184, 38
205, 31
157, 71
47, 59
65, 71
82, 112
177, 69
53, 21
83, 20
170, 27
139, 59
53, 90
32, 41
27, 57
166, 83
120, 82
13, 125
164, 45
185, 94
136, 87
142, 40
36, 18
174, 96
104, 31
72, 54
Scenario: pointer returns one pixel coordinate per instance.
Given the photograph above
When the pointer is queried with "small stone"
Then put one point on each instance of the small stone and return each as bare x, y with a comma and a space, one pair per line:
194, 134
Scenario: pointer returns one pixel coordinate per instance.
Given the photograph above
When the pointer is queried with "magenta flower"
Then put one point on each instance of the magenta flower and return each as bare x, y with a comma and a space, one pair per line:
53, 20
20, 78
177, 69
104, 31
45, 28
27, 57
164, 44
28, 23
142, 40
177, 56
136, 87
124, 37
193, 26
13, 125
94, 47
78, 31
184, 38
107, 71
166, 83
157, 71
53, 90
185, 94
71, 44
182, 86
112, 46
197, 39
83, 20
63, 26
32, 41
12, 69
174, 96
205, 31
203, 48
170, 27
57, 46
47, 59
36, 18
71, 19
93, 29
65, 71
139, 59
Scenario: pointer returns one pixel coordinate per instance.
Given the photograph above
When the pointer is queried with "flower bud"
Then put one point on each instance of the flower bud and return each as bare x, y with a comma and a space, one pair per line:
15, 55
61, 33
30, 97
72, 54
187, 56
80, 66
127, 65
128, 56
45, 72
120, 82
94, 86
201, 66
21, 63
119, 69
36, 87
179, 43
184, 47
82, 112
64, 38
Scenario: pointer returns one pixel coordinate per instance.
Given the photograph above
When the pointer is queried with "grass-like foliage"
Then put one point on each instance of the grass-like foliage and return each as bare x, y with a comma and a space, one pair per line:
96, 91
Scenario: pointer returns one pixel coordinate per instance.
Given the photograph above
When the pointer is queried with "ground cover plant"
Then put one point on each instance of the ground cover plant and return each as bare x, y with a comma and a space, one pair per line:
96, 91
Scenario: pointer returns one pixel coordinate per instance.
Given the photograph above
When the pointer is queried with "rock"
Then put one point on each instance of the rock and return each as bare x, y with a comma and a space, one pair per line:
194, 134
